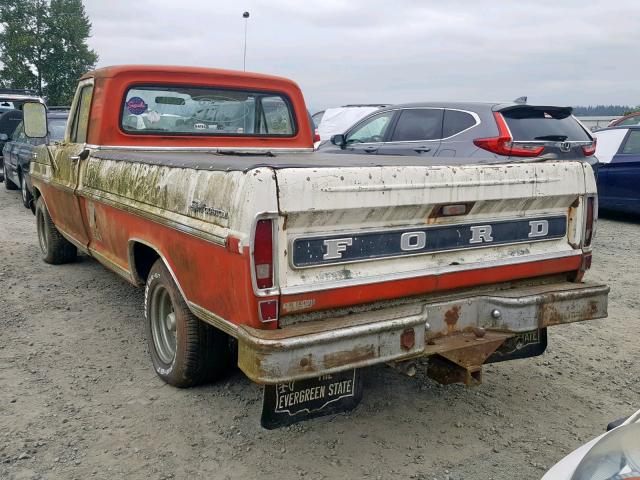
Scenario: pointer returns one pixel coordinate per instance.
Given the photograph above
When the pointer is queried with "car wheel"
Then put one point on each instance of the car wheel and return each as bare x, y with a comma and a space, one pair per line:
8, 184
27, 198
184, 350
55, 248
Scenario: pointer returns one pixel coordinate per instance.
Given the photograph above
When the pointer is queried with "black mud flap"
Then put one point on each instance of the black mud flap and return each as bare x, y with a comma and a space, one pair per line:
288, 403
523, 345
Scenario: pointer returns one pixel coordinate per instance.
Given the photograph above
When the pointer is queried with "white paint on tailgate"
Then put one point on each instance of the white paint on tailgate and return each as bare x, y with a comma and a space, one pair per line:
334, 200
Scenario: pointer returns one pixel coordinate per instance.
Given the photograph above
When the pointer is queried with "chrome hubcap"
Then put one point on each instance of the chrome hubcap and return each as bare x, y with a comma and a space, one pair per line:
163, 324
23, 187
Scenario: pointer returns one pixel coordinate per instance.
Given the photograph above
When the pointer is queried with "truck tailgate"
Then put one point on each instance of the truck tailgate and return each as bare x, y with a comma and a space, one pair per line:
379, 225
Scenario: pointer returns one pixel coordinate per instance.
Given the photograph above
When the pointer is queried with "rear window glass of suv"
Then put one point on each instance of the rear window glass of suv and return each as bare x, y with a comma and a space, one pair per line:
418, 124
556, 125
169, 110
456, 121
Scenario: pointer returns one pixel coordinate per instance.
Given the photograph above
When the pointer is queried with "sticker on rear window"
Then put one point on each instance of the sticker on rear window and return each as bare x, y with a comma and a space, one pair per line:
136, 106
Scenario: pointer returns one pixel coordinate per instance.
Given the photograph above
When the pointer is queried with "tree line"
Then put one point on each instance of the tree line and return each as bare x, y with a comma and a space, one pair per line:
604, 110
43, 47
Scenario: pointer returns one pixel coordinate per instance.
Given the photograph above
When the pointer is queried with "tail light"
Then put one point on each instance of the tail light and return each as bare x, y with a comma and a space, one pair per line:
268, 311
263, 254
316, 136
589, 150
503, 143
589, 224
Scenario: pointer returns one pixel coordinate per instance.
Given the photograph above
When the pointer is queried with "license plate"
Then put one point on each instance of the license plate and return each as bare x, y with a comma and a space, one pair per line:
288, 403
521, 345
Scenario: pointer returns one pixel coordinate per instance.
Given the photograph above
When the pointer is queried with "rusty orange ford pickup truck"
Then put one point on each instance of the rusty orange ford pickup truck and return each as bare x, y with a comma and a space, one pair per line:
202, 186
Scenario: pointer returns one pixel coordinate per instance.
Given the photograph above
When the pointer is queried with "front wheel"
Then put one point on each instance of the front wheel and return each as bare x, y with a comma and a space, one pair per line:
55, 248
184, 350
27, 198
8, 184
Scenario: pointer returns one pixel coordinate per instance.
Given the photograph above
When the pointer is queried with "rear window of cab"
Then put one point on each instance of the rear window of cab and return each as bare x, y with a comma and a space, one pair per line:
184, 110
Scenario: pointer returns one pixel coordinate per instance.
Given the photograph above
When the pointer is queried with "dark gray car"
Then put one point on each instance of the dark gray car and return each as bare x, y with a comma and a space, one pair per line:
19, 150
470, 129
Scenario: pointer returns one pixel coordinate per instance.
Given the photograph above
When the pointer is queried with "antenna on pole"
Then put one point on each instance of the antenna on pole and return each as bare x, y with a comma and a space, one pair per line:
245, 15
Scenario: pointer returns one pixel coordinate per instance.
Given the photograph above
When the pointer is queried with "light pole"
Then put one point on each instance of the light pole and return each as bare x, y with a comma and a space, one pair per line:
245, 15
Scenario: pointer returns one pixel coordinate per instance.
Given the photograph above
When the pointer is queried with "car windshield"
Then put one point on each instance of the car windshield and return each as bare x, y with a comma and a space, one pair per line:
205, 111
57, 127
631, 121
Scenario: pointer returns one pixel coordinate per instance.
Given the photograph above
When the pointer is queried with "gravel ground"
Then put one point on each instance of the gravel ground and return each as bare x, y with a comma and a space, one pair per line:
79, 398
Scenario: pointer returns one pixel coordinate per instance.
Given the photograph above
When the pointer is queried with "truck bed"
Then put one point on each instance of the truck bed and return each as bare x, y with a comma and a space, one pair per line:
245, 161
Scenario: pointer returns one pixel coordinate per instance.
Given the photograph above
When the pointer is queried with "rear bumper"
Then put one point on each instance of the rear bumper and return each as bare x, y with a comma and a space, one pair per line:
444, 327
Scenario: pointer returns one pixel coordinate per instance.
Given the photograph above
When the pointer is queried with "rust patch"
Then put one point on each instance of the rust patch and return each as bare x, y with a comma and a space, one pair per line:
451, 317
446, 372
358, 354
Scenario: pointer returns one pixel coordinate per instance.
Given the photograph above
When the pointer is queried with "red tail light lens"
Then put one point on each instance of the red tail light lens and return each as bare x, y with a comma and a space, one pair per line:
263, 254
589, 221
589, 149
268, 311
316, 136
503, 143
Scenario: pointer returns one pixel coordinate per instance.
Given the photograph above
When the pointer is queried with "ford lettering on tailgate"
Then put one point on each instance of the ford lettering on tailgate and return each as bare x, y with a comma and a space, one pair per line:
353, 247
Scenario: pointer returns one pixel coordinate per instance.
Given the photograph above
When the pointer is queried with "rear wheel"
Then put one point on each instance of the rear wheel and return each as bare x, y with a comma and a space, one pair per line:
55, 248
27, 198
8, 184
184, 350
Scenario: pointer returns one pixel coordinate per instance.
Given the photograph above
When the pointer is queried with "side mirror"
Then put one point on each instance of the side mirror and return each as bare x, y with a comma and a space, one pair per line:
338, 140
35, 120
4, 137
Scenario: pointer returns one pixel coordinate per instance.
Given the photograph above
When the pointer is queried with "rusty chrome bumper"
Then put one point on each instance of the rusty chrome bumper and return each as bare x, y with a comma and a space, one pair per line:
442, 328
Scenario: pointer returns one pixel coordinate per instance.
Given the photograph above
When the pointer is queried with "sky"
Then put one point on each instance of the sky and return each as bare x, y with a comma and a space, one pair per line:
567, 52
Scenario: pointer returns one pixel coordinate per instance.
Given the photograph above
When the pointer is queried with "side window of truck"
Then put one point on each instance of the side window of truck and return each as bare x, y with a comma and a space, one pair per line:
81, 116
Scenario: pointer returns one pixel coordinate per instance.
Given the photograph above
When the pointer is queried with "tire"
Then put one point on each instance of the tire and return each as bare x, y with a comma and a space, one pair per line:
27, 198
184, 350
55, 248
8, 184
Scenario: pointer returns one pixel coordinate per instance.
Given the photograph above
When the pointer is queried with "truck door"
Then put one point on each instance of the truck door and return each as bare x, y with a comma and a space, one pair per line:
65, 207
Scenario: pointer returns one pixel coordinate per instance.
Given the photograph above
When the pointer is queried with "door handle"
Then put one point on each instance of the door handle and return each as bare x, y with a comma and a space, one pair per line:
370, 150
81, 156
422, 149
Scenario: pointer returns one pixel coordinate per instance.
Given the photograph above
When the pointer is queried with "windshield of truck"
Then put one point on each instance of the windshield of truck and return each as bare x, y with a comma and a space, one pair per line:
170, 110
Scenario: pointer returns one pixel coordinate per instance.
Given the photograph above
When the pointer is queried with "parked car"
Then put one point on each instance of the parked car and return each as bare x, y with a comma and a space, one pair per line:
630, 120
19, 150
472, 130
9, 120
614, 455
12, 99
618, 152
339, 119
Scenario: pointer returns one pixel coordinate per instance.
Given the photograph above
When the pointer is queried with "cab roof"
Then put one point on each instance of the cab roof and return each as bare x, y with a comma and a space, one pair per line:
171, 70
